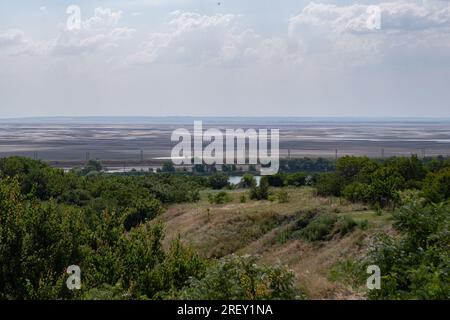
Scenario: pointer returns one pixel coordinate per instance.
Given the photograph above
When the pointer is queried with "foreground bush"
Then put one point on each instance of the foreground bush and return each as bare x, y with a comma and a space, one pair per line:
240, 278
416, 265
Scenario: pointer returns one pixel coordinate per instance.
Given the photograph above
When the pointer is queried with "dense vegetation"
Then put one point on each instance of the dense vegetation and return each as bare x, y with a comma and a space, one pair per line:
108, 225
415, 265
50, 220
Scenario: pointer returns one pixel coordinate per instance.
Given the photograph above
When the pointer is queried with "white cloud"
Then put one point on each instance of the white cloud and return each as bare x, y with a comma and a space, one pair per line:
207, 39
97, 32
13, 42
400, 15
342, 33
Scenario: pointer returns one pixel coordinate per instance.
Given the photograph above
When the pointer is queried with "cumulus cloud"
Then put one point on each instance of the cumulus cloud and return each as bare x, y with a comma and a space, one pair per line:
348, 31
97, 32
14, 42
217, 39
401, 15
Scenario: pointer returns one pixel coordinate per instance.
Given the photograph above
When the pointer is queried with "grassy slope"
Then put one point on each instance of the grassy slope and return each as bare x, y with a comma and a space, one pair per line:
257, 227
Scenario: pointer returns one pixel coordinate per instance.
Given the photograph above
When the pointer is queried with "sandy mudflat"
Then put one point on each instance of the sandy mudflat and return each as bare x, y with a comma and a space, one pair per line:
73, 141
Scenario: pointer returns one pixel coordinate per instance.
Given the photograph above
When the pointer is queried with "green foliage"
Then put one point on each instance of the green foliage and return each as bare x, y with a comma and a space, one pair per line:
37, 242
313, 226
351, 169
417, 264
349, 272
358, 192
437, 186
240, 278
329, 184
219, 198
283, 196
297, 179
260, 192
276, 180
50, 220
141, 211
243, 198
307, 165
218, 181
319, 229
168, 167
410, 169
248, 180
345, 225
383, 189
363, 180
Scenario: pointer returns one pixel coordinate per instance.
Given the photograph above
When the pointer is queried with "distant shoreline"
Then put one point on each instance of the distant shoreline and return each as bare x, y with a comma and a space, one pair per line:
214, 120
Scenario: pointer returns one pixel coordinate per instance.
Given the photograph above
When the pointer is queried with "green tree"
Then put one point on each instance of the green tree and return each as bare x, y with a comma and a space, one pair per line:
240, 278
168, 167
260, 192
218, 181
437, 186
415, 265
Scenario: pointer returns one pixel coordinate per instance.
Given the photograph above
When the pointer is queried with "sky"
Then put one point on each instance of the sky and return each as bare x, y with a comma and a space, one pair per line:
225, 58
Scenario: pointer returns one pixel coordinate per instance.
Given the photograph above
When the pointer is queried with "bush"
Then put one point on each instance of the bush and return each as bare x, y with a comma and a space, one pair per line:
247, 181
350, 272
276, 180
260, 192
345, 225
329, 184
320, 228
240, 278
296, 179
415, 265
283, 196
142, 211
218, 181
168, 167
437, 186
357, 192
219, 198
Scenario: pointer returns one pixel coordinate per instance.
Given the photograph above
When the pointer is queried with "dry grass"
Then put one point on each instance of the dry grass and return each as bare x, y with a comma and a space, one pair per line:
254, 227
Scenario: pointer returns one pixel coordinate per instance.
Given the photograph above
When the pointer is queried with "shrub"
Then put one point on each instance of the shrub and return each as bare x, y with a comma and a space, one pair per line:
260, 192
345, 225
329, 184
357, 192
296, 179
219, 198
350, 272
320, 228
218, 181
283, 196
437, 186
142, 211
415, 265
240, 278
276, 180
247, 181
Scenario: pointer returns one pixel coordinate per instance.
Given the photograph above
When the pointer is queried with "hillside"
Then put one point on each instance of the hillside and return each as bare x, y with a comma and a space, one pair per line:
263, 228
